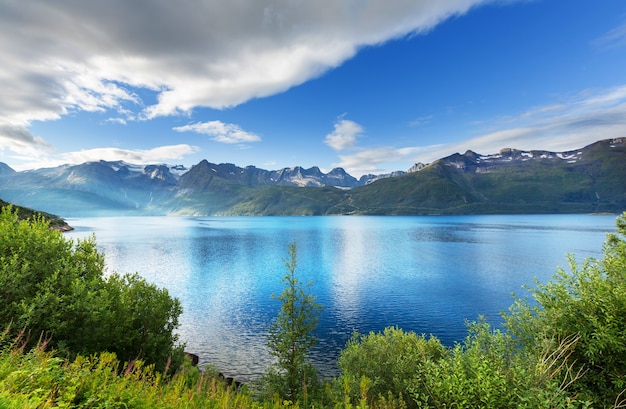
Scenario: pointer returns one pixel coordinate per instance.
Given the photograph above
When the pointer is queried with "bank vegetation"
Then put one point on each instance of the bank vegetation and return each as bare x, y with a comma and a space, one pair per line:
74, 337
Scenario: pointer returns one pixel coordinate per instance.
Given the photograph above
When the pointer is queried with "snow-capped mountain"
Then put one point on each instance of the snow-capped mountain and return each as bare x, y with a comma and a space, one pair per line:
592, 178
91, 186
201, 175
474, 162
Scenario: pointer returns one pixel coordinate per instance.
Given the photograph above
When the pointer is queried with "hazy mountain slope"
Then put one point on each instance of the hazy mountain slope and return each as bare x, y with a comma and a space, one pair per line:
289, 201
66, 203
6, 169
93, 188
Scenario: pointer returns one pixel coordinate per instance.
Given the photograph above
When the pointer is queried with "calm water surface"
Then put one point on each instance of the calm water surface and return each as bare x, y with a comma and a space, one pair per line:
423, 274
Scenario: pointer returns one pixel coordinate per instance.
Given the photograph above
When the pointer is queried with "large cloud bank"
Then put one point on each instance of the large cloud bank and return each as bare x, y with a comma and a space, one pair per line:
68, 55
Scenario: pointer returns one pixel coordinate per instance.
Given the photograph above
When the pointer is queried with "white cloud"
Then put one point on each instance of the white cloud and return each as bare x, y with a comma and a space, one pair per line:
574, 122
161, 154
220, 132
382, 159
66, 55
344, 135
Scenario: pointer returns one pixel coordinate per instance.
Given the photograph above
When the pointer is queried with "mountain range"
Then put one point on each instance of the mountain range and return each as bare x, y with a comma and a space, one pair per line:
590, 179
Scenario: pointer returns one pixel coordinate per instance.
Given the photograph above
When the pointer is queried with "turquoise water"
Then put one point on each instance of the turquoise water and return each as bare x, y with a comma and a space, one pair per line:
423, 274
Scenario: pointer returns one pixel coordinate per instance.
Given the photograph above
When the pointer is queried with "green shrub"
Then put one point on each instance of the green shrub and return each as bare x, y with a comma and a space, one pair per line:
487, 371
55, 289
388, 362
589, 303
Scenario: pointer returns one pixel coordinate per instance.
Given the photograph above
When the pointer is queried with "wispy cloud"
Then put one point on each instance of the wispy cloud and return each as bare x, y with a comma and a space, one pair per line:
344, 135
612, 39
138, 156
220, 132
119, 121
422, 120
573, 122
577, 120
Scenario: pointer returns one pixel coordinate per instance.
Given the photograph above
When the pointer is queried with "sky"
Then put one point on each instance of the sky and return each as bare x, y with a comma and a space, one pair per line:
372, 86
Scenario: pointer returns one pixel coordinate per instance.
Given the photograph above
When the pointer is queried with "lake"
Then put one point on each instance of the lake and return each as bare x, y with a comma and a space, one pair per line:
422, 274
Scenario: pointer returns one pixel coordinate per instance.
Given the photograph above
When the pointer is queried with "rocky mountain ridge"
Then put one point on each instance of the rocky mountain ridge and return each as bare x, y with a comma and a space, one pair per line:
470, 180
475, 162
252, 176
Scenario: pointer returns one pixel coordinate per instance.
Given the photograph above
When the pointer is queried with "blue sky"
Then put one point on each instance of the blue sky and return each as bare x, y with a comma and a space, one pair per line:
371, 86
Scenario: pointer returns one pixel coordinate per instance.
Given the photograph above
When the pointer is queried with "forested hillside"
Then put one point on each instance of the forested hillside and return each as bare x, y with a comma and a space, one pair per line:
55, 221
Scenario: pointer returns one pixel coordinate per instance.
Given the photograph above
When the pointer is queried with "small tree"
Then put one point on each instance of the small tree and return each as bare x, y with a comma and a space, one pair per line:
291, 337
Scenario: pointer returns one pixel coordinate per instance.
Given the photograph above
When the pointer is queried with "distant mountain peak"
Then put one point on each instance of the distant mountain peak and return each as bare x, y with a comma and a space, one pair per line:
5, 169
474, 162
588, 179
417, 167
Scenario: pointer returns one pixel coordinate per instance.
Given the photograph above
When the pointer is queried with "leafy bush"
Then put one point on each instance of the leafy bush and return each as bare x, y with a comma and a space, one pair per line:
589, 303
487, 371
54, 288
389, 361
484, 371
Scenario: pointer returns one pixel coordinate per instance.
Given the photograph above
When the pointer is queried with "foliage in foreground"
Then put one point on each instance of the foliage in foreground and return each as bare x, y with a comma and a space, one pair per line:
55, 289
589, 302
39, 379
482, 371
291, 338
56, 222
567, 350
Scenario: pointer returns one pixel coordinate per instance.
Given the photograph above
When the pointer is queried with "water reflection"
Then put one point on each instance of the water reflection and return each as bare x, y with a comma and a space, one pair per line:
424, 274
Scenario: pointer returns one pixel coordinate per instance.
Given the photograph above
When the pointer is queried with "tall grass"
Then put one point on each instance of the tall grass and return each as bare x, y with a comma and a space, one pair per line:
39, 379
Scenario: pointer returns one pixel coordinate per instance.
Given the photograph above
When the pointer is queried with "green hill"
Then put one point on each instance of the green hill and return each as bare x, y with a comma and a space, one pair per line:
56, 222
592, 179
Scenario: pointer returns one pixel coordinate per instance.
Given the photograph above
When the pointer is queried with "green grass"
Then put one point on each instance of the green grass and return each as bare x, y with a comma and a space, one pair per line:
39, 379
